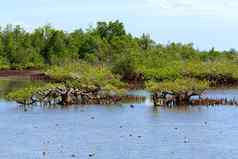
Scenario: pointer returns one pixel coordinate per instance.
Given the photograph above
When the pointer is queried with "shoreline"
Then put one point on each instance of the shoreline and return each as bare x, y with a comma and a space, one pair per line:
33, 74
134, 84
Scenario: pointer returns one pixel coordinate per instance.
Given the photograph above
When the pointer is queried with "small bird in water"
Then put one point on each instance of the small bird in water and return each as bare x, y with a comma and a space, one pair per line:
91, 155
73, 155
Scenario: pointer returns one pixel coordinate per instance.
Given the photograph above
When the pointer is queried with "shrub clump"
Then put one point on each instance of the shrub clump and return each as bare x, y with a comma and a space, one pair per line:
178, 86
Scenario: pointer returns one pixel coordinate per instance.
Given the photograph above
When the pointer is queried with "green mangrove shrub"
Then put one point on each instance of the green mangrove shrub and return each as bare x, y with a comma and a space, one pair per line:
178, 86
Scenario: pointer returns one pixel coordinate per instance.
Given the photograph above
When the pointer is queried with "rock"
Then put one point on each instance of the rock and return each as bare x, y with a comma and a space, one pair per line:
176, 128
120, 126
92, 118
43, 153
130, 135
132, 106
139, 136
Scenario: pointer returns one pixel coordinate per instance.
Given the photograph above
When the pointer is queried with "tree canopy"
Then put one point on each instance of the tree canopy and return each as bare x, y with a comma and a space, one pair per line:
109, 45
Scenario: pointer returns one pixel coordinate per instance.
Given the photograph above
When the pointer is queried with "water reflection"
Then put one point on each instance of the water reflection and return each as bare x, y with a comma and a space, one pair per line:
228, 93
8, 85
181, 108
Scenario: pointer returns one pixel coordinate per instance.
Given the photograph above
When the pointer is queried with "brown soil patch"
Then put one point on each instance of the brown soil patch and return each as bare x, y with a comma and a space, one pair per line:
23, 74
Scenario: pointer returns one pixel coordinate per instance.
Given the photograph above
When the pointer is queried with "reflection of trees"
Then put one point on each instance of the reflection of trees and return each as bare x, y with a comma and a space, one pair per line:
178, 109
7, 85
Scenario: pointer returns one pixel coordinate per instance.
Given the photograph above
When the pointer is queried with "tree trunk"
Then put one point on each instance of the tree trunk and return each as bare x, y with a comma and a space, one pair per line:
66, 98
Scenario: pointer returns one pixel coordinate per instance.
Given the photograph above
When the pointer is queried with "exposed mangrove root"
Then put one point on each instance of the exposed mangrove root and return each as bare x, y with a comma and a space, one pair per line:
178, 92
212, 102
69, 96
170, 98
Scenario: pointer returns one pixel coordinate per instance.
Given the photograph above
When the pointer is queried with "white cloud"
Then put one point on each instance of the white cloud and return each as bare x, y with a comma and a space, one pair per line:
192, 7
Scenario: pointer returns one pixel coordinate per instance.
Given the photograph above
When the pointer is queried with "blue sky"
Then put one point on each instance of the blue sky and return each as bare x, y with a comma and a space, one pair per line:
206, 23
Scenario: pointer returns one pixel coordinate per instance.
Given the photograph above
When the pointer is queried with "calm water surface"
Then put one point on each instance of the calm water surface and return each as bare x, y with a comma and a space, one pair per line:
119, 131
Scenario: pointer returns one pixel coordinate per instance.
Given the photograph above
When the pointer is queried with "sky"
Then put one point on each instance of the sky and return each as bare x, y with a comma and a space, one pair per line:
206, 23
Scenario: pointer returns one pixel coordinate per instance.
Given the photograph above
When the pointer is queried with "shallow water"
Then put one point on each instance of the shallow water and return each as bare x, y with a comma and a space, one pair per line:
119, 131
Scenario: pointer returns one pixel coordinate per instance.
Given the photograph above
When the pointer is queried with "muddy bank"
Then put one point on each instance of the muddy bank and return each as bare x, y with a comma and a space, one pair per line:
135, 81
24, 74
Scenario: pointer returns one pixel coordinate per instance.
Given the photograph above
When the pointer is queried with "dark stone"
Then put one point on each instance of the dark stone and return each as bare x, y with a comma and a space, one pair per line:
92, 117
139, 136
132, 106
43, 153
130, 135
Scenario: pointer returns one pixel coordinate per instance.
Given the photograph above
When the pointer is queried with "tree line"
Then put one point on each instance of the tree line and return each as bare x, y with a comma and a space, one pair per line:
108, 44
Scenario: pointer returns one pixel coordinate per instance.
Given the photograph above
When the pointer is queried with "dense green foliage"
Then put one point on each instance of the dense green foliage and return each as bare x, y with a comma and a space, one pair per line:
99, 56
178, 86
82, 75
78, 76
109, 45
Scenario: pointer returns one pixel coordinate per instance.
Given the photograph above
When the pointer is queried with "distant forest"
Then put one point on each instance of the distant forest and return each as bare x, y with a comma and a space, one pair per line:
109, 45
